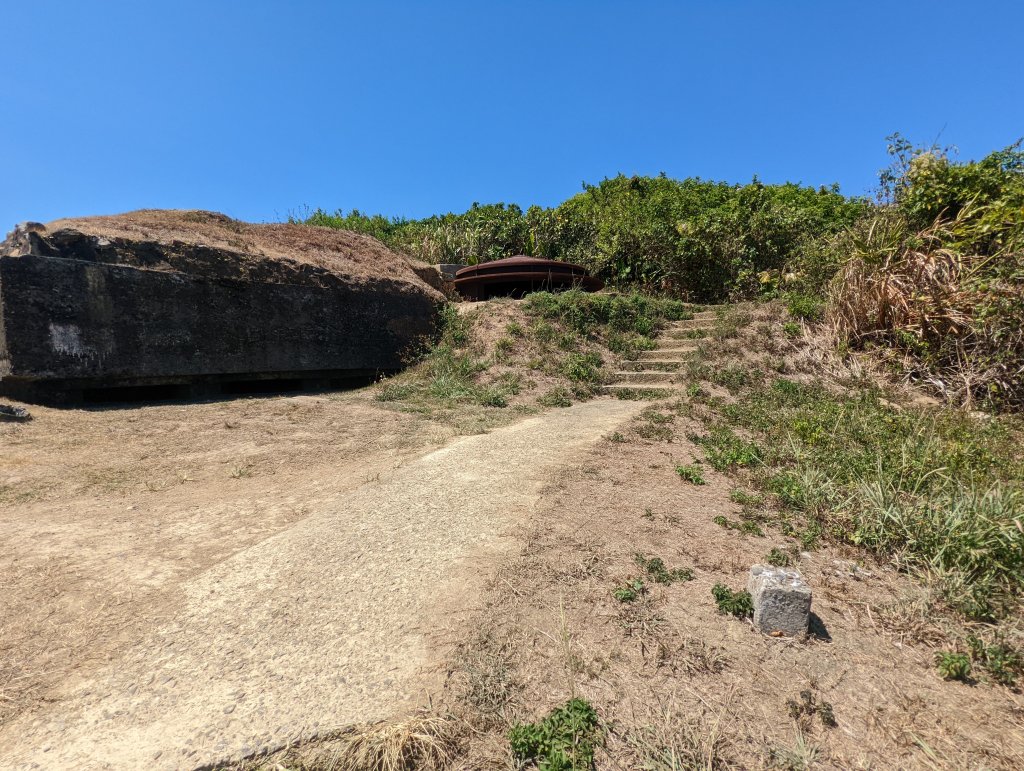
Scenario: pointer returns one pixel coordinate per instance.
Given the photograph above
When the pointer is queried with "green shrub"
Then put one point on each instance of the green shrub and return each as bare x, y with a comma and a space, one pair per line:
803, 306
556, 397
630, 591
739, 604
691, 474
953, 666
582, 367
589, 314
934, 275
708, 239
562, 741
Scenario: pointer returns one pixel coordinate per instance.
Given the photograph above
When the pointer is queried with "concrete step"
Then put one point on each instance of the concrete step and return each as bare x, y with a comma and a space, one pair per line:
640, 391
686, 334
652, 365
694, 323
677, 352
668, 348
660, 378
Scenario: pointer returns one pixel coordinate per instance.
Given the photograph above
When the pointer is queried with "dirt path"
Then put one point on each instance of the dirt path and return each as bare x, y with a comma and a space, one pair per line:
323, 624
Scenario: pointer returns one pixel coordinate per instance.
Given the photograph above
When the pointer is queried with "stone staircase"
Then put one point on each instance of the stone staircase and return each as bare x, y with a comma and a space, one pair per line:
656, 371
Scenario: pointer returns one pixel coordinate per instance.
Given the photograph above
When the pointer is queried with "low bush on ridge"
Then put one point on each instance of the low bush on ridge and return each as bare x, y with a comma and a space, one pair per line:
694, 238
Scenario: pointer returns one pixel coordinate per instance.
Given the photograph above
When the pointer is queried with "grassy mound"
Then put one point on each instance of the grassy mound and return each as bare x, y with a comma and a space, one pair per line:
547, 351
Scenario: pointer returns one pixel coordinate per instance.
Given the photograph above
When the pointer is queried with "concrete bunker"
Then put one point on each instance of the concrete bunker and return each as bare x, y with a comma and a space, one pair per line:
167, 304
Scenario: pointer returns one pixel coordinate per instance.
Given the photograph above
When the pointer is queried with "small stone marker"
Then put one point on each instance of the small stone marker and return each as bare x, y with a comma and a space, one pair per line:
782, 601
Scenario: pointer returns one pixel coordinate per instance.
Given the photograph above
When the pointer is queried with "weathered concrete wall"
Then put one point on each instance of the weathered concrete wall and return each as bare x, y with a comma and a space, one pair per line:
82, 318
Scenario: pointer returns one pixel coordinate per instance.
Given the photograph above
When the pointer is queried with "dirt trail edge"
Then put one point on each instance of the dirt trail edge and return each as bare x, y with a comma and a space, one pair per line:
321, 625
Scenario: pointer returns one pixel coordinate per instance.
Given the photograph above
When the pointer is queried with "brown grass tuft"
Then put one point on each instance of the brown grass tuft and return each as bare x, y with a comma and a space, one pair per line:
942, 316
423, 742
677, 739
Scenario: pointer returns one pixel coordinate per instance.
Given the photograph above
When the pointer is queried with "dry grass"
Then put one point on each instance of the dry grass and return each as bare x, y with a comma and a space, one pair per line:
421, 742
937, 313
484, 676
678, 738
281, 248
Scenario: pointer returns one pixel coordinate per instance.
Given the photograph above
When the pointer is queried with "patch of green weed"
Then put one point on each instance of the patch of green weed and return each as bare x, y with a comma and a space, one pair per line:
691, 474
655, 568
739, 604
744, 498
724, 450
778, 558
630, 591
953, 666
563, 741
583, 367
556, 397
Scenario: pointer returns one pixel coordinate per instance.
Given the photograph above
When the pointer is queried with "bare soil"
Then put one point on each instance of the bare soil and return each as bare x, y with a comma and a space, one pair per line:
106, 512
185, 584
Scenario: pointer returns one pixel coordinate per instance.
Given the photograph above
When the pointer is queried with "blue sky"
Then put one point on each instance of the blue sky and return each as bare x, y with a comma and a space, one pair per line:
259, 109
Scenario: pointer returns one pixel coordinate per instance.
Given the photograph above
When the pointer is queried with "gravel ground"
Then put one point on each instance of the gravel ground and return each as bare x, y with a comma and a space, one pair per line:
326, 623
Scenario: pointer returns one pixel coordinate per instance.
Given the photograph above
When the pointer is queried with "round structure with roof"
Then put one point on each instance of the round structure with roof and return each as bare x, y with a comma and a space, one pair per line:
520, 275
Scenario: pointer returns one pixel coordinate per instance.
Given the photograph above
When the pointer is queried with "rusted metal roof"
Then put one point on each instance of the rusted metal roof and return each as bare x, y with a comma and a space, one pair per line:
518, 275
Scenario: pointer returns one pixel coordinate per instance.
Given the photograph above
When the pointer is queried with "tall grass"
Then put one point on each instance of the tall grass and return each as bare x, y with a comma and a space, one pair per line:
968, 537
934, 277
